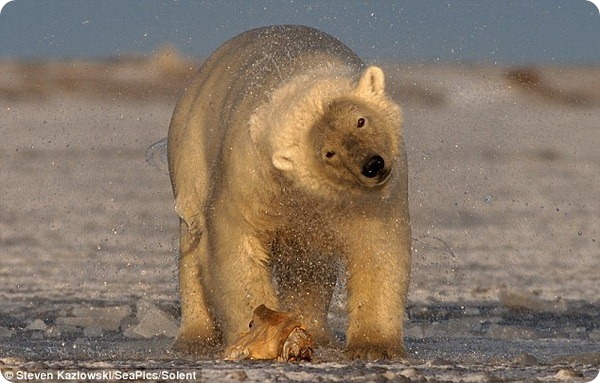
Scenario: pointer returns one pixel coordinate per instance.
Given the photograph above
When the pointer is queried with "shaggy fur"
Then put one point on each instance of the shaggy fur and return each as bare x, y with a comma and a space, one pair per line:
287, 162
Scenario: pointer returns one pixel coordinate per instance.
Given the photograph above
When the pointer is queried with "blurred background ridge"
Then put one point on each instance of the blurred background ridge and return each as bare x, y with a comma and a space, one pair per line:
514, 33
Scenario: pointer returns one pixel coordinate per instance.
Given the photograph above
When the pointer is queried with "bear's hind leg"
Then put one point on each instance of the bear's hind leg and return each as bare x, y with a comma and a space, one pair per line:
197, 331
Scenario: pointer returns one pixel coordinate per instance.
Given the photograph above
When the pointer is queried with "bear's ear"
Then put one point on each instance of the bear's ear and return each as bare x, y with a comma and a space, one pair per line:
282, 160
372, 81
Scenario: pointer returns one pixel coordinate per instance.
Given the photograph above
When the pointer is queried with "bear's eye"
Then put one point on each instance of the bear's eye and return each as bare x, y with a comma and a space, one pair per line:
360, 123
251, 324
329, 154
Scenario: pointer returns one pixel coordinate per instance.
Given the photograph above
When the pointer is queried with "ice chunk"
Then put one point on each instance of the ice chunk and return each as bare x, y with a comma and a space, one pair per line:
37, 324
92, 332
594, 334
497, 331
525, 359
152, 322
115, 312
463, 327
415, 330
104, 318
410, 372
568, 374
467, 327
57, 331
106, 324
520, 300
63, 331
6, 332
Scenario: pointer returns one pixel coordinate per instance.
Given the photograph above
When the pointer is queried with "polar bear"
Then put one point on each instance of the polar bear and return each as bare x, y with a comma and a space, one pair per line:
287, 162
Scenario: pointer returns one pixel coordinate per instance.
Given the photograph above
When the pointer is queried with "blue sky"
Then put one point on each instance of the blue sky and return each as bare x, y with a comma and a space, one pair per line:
497, 31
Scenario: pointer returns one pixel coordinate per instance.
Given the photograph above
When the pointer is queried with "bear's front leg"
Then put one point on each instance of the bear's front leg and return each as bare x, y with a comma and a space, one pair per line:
240, 279
378, 262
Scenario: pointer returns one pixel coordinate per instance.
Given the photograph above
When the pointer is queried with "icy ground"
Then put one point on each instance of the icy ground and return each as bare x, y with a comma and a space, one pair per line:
486, 342
504, 188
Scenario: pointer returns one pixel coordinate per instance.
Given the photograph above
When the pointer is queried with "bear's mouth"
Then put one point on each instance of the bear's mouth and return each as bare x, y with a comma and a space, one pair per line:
374, 171
380, 179
371, 180
384, 176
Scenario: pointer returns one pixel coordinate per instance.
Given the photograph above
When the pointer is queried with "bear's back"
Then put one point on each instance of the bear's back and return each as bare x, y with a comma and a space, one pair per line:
230, 85
242, 73
256, 62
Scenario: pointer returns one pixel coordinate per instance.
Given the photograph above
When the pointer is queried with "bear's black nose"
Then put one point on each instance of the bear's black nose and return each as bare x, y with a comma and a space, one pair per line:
373, 167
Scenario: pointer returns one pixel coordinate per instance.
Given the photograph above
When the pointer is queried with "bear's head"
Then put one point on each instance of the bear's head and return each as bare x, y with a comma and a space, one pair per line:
356, 140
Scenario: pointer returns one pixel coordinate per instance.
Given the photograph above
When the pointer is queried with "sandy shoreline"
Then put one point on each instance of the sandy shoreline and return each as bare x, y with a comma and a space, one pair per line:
504, 181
